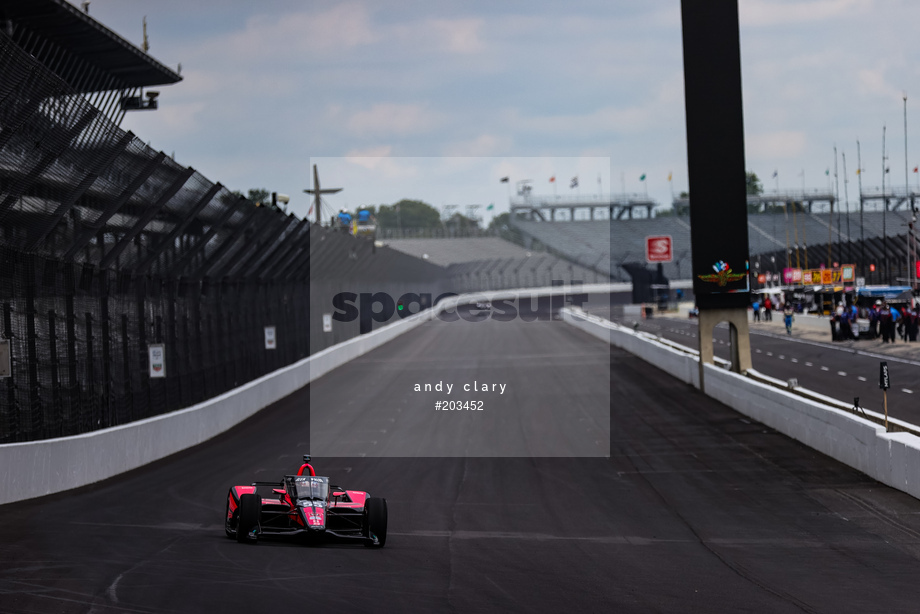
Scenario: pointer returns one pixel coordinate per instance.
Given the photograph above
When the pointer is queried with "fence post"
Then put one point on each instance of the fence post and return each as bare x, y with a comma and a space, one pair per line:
56, 418
127, 401
35, 411
91, 373
12, 417
105, 401
74, 406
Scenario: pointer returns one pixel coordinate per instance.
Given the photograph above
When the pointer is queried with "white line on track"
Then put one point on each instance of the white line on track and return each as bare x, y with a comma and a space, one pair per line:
861, 378
809, 364
907, 391
794, 359
825, 369
842, 373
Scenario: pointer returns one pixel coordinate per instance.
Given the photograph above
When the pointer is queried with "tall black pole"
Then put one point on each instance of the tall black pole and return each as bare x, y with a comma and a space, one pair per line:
885, 212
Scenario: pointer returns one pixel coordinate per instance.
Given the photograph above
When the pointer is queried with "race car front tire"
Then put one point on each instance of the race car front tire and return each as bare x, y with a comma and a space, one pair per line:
250, 510
375, 515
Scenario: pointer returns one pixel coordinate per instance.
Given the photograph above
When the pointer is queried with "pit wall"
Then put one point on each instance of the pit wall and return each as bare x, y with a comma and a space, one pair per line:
891, 458
39, 468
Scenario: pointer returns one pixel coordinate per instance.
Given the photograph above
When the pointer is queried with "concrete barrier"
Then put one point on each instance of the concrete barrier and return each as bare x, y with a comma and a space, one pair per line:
38, 468
890, 458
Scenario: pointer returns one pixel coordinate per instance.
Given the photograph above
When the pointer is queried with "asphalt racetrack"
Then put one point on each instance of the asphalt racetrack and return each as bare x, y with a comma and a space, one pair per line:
697, 509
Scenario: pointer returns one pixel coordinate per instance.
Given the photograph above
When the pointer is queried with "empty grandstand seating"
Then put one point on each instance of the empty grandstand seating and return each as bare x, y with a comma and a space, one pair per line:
491, 263
605, 245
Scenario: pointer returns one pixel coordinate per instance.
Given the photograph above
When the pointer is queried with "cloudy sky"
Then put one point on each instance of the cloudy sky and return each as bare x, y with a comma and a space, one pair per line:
438, 101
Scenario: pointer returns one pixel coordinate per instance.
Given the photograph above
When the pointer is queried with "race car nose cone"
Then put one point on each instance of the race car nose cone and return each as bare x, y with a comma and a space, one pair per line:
315, 517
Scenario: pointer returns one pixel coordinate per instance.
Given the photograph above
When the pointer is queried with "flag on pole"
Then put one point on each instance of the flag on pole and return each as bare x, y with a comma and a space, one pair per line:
574, 183
310, 212
490, 207
916, 169
552, 179
669, 176
858, 171
827, 172
642, 178
775, 174
505, 179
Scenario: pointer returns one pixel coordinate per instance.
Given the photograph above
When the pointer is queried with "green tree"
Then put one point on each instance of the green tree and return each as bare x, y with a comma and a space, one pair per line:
752, 184
412, 214
458, 221
752, 187
260, 195
680, 207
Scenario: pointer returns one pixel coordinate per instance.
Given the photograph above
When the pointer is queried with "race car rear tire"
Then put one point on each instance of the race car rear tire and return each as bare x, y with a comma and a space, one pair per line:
375, 517
228, 519
250, 510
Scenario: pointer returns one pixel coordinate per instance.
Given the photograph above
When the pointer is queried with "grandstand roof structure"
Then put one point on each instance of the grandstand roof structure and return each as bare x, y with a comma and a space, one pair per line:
91, 59
44, 28
75, 188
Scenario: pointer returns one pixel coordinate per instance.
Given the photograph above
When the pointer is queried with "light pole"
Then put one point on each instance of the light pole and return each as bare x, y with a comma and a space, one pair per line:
862, 227
909, 201
846, 199
885, 211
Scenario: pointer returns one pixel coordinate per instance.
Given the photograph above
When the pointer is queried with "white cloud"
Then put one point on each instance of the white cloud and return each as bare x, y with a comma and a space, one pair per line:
778, 145
482, 145
381, 165
392, 119
761, 13
456, 35
874, 83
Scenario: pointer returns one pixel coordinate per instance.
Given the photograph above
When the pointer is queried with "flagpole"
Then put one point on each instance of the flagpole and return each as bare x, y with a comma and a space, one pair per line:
830, 218
846, 199
862, 226
837, 198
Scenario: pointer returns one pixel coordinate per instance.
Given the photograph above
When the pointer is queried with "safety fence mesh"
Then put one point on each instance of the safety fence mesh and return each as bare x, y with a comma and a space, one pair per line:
108, 246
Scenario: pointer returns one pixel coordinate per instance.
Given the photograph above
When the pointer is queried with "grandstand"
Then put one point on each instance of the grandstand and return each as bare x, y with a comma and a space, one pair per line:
604, 246
491, 263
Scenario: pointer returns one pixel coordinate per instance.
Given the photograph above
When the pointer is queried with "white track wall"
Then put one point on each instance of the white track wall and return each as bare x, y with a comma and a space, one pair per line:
38, 468
890, 458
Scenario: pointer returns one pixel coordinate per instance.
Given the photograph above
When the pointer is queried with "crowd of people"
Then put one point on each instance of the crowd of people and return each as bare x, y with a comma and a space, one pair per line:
885, 321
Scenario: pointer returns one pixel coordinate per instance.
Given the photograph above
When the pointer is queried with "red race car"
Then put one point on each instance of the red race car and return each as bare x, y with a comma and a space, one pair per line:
305, 505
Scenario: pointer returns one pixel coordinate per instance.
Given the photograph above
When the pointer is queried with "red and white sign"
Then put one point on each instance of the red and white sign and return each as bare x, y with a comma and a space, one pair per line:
156, 355
658, 249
